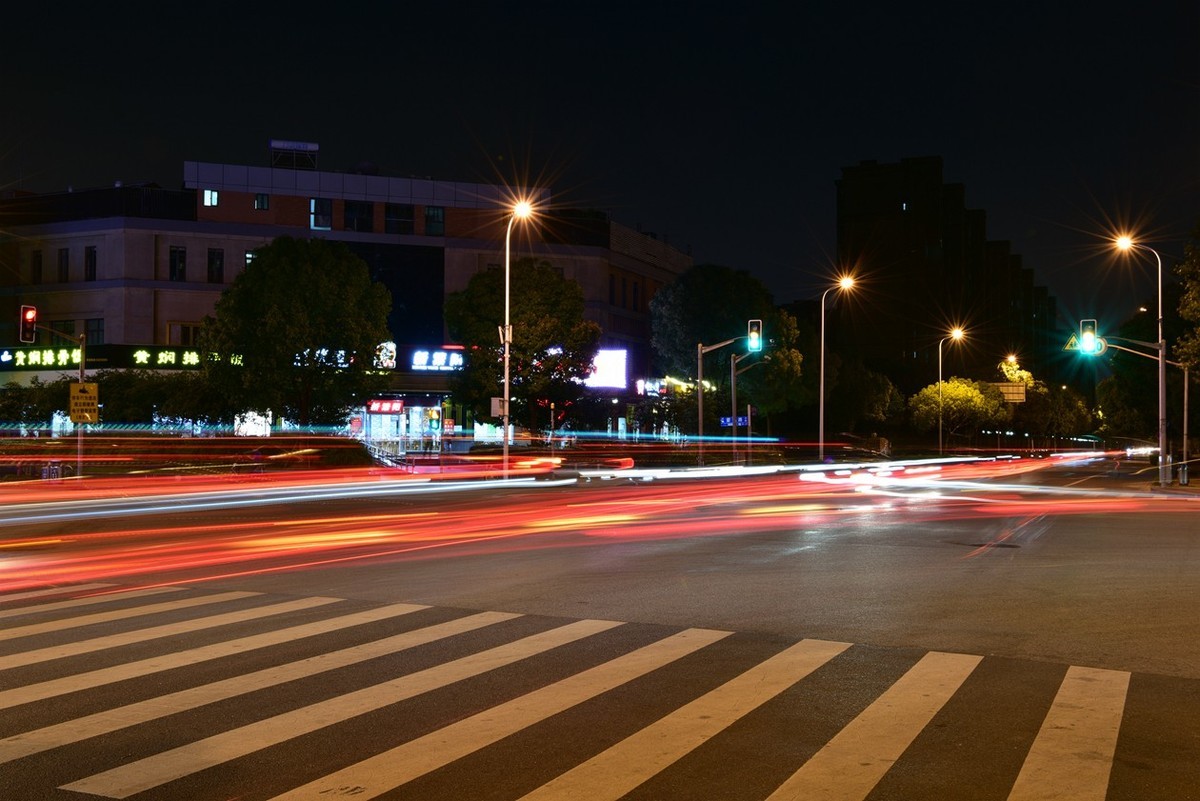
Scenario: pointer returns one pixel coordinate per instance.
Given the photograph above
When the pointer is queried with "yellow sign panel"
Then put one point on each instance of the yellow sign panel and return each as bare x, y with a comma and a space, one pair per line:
85, 403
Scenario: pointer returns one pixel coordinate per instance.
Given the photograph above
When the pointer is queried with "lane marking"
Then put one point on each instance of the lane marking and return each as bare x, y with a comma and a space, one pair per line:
618, 770
120, 614
849, 766
153, 771
156, 632
72, 731
1072, 755
74, 602
386, 771
191, 656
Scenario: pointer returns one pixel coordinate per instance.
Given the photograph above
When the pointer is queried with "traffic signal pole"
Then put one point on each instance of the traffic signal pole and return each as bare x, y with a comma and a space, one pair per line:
702, 349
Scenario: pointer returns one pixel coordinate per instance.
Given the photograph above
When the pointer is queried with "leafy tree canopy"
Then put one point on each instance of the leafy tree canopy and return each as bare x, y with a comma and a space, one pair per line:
966, 406
553, 348
296, 332
709, 304
1188, 348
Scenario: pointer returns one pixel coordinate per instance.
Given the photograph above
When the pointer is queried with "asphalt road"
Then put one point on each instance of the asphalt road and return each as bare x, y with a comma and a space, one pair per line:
1025, 636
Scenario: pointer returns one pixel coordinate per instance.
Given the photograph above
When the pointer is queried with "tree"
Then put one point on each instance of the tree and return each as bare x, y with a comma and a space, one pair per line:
296, 333
966, 406
857, 395
553, 348
709, 304
1188, 348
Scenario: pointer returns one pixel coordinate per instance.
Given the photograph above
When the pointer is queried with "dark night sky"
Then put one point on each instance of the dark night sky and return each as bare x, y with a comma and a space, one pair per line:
721, 127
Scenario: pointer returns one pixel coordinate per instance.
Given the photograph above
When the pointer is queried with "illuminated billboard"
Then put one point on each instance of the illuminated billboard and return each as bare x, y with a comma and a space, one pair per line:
609, 370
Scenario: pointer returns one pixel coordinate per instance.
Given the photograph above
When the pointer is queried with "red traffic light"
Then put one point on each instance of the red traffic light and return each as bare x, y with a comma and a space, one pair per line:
29, 323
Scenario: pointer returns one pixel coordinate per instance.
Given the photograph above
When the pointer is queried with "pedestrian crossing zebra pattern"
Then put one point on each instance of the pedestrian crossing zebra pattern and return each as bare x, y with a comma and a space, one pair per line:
108, 692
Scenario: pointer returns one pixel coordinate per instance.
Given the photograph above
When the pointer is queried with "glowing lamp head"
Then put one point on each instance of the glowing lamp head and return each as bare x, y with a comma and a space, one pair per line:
1124, 242
522, 209
957, 333
846, 282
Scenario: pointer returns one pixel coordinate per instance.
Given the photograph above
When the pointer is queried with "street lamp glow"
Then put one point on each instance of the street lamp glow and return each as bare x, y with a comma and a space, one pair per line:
521, 210
844, 284
955, 335
1126, 243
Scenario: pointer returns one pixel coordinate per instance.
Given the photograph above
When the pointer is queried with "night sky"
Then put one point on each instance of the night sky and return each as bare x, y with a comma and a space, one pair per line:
719, 127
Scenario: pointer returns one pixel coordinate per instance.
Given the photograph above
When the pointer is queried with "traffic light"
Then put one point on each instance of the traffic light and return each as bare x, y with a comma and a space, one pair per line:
1088, 342
754, 336
29, 323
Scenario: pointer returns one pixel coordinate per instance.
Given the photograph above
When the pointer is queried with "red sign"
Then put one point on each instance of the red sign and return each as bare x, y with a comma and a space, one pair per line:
381, 406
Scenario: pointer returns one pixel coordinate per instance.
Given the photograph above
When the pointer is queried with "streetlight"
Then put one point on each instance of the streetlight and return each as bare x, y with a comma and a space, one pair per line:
845, 283
1126, 243
956, 335
521, 210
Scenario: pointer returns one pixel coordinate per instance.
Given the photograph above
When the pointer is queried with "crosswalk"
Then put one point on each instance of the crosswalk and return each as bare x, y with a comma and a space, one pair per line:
108, 692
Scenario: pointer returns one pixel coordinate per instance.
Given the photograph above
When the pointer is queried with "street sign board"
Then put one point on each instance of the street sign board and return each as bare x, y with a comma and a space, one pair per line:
85, 402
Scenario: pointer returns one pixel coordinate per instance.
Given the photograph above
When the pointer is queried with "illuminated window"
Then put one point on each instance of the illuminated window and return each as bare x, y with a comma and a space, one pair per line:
398, 218
358, 216
177, 263
262, 201
210, 197
320, 214
64, 265
35, 267
216, 266
89, 263
249, 257
435, 221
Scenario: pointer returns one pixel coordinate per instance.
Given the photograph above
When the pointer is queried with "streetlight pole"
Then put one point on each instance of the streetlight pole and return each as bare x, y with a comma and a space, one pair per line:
520, 211
844, 283
1164, 470
956, 335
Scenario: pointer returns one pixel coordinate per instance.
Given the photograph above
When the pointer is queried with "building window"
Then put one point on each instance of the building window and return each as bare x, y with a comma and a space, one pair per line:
89, 263
435, 221
262, 201
320, 214
35, 267
94, 330
612, 290
398, 218
637, 297
63, 333
184, 334
64, 265
249, 257
216, 266
358, 214
178, 263
210, 197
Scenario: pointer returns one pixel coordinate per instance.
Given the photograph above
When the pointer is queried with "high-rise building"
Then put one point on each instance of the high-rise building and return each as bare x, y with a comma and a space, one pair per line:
926, 266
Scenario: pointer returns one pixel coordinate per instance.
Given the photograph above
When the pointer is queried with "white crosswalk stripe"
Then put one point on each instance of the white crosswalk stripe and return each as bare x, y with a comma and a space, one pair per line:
1075, 746
854, 761
157, 632
393, 655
